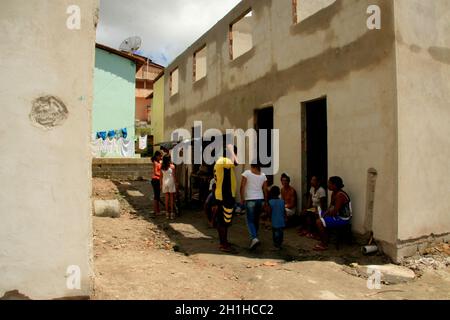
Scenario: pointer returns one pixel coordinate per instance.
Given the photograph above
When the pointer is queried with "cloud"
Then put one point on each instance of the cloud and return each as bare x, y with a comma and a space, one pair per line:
167, 28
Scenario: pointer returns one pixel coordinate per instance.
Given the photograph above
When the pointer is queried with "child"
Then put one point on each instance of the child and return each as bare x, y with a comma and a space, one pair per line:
276, 208
168, 185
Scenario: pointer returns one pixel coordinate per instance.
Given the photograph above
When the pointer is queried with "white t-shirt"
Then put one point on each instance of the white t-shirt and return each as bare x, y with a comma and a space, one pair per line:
317, 195
254, 186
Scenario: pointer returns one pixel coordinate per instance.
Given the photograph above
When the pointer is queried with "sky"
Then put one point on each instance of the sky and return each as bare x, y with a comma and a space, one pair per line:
167, 27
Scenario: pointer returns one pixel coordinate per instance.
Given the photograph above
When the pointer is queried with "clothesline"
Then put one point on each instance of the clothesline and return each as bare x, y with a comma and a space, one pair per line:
127, 127
118, 130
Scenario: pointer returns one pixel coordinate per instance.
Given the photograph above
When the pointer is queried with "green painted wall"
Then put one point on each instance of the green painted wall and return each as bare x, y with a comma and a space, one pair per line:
158, 111
114, 93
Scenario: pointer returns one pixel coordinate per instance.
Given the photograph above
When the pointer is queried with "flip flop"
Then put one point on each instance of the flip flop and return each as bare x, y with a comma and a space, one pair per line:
228, 249
312, 236
303, 233
320, 247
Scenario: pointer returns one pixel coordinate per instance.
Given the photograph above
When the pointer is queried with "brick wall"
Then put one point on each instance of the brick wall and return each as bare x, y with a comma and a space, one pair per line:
122, 169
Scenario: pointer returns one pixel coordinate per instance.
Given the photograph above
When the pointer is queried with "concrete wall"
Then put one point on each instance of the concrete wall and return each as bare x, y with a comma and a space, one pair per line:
423, 62
45, 205
114, 93
158, 111
122, 169
332, 54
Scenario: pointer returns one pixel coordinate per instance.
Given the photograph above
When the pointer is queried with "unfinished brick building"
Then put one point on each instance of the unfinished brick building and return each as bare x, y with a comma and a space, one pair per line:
368, 104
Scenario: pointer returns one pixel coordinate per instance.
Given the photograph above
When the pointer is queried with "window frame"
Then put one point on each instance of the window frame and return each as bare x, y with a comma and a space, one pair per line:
194, 63
230, 32
171, 81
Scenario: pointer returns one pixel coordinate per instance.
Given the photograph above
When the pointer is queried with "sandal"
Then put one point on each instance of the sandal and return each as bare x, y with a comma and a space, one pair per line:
303, 233
227, 249
312, 236
320, 247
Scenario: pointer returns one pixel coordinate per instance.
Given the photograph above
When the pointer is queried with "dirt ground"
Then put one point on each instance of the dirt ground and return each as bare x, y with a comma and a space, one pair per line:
139, 256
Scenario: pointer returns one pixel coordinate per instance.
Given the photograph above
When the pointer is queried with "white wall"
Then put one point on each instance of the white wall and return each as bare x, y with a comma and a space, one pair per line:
45, 206
423, 59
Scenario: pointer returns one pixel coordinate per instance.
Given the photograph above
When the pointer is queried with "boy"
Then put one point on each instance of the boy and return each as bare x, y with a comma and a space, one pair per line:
277, 212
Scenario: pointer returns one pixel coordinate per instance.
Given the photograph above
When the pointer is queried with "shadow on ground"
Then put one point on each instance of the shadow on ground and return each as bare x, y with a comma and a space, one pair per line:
192, 235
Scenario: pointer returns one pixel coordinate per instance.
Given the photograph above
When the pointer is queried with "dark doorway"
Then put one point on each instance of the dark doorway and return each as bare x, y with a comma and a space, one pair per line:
264, 120
315, 142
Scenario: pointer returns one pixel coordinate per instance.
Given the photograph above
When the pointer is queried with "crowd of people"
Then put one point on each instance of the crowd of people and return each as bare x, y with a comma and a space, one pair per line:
260, 202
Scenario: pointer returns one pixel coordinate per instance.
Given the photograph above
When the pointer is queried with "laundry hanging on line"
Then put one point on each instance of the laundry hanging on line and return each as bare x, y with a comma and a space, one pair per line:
143, 142
112, 134
112, 148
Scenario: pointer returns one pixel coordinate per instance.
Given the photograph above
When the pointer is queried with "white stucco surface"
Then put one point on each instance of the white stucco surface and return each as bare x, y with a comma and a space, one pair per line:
45, 205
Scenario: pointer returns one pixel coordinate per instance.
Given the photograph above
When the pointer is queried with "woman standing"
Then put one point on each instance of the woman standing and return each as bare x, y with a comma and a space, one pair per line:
169, 187
253, 195
156, 159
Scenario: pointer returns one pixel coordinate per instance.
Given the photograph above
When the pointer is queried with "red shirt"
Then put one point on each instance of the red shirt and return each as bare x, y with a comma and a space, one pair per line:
156, 170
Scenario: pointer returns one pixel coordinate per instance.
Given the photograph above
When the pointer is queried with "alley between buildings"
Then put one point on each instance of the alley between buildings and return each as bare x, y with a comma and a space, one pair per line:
139, 256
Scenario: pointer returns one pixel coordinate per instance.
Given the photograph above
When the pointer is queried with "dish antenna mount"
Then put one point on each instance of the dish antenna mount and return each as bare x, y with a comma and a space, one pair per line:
131, 44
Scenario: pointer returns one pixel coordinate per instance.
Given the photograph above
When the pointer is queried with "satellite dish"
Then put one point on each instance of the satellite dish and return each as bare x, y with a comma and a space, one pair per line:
131, 44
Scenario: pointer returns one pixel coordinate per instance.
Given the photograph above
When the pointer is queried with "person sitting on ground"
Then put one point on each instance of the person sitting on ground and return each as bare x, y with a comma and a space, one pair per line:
277, 213
210, 208
289, 195
317, 201
338, 214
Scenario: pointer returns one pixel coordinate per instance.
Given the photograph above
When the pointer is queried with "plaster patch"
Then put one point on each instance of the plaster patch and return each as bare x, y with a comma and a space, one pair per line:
440, 54
48, 112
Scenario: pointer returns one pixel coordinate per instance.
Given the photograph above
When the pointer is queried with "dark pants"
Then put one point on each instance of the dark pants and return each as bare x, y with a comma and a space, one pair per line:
223, 234
278, 236
221, 224
156, 189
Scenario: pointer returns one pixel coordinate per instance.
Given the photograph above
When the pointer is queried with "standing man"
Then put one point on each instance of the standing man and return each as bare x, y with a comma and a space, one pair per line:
225, 194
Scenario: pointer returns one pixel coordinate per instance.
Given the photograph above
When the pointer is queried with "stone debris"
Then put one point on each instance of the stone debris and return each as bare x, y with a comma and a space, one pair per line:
107, 208
434, 258
270, 264
419, 264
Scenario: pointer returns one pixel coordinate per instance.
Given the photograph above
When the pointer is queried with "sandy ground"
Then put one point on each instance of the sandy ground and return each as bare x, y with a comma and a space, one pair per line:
139, 256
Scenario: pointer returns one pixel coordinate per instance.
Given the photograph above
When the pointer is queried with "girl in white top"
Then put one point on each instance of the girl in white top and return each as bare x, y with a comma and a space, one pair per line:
318, 195
253, 194
168, 185
317, 203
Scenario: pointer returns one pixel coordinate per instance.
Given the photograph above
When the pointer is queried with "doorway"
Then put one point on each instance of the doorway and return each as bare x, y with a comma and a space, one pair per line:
264, 120
314, 142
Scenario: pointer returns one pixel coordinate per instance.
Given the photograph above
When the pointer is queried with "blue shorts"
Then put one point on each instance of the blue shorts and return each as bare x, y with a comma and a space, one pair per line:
334, 222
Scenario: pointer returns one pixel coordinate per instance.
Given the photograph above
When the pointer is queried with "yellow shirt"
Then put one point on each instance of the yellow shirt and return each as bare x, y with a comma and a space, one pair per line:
219, 175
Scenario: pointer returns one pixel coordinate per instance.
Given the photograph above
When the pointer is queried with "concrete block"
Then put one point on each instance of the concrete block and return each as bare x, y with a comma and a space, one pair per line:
107, 208
390, 273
